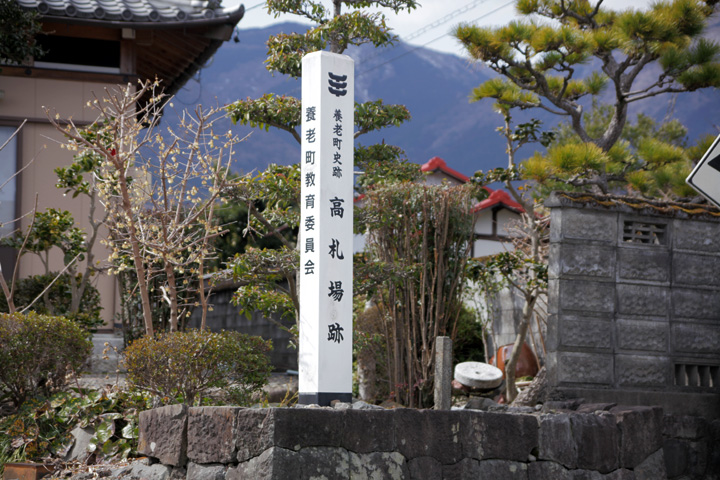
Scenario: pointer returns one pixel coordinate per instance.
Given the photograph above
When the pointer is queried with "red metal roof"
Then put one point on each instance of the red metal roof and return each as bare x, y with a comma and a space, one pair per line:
499, 197
437, 163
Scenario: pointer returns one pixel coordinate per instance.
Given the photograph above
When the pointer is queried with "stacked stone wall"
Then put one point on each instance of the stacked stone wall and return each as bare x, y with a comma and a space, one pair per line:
598, 442
634, 305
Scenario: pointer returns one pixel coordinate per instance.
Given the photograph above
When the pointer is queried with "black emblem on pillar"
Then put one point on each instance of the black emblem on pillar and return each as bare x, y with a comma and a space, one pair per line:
338, 84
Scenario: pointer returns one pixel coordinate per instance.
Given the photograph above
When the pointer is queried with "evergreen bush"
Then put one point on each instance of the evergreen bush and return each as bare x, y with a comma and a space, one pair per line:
38, 353
182, 366
60, 298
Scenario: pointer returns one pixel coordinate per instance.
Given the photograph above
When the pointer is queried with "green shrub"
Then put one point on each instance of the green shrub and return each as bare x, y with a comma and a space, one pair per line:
60, 297
181, 366
38, 352
468, 343
41, 427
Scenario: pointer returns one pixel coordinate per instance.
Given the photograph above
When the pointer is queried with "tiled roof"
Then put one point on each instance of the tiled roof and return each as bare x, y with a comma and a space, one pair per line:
132, 11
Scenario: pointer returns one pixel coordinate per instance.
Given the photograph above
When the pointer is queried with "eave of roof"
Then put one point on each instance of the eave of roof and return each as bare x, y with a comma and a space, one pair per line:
141, 14
188, 32
498, 198
437, 163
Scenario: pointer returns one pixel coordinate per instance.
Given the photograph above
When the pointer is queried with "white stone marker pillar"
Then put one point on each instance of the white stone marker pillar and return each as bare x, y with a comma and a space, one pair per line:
326, 228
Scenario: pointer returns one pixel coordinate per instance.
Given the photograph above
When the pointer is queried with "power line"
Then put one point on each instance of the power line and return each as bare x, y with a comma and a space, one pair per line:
428, 27
433, 40
443, 20
255, 6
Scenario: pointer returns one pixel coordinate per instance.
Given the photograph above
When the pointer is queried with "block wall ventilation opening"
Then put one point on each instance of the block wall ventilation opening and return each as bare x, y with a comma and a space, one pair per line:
646, 233
707, 376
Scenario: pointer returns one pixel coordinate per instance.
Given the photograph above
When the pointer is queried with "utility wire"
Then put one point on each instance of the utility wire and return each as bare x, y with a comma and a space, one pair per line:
431, 41
444, 19
255, 6
431, 26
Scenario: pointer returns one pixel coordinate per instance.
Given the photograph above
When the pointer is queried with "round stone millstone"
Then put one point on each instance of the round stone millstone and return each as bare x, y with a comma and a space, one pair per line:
478, 375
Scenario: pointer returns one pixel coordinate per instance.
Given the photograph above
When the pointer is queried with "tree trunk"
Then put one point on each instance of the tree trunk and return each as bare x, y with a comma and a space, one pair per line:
535, 392
137, 256
173, 296
511, 389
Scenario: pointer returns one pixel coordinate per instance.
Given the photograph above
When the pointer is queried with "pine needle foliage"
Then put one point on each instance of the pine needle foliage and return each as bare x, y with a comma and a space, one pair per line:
538, 58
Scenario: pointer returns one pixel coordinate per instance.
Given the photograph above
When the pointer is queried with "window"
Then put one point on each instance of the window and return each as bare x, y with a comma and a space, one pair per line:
80, 54
8, 196
8, 167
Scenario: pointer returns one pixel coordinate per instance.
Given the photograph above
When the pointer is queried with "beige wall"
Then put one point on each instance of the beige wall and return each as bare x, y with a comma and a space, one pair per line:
40, 152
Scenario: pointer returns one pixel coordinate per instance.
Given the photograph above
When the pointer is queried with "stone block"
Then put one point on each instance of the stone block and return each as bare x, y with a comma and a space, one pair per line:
642, 371
697, 236
643, 264
429, 433
297, 428
652, 468
493, 435
157, 471
556, 441
696, 303
595, 407
675, 454
206, 472
593, 368
321, 462
255, 432
587, 332
273, 464
421, 468
638, 335
211, 434
640, 431
179, 473
713, 439
590, 225
699, 455
366, 466
586, 475
465, 469
81, 442
547, 470
502, 470
582, 259
642, 300
696, 338
620, 474
693, 269
586, 296
597, 442
684, 426
376, 426
162, 434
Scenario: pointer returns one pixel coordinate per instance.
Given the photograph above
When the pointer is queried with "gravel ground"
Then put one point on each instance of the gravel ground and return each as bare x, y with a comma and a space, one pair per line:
277, 388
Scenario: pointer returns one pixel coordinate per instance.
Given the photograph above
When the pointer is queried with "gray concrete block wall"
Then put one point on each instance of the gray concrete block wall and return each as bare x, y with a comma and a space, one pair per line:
225, 316
634, 321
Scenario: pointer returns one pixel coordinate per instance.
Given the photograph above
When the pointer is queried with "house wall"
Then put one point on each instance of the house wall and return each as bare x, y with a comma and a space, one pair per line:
506, 220
635, 322
39, 148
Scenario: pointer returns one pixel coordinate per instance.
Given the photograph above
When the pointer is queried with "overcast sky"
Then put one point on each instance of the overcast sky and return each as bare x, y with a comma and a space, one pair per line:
430, 24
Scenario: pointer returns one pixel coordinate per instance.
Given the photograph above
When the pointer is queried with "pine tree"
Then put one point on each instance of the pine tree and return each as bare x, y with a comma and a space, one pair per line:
540, 62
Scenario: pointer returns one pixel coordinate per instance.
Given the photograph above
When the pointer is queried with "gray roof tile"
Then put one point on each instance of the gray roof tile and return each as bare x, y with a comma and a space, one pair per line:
129, 10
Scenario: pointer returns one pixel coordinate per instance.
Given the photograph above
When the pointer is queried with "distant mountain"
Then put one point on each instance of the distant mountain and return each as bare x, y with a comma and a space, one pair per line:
434, 86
